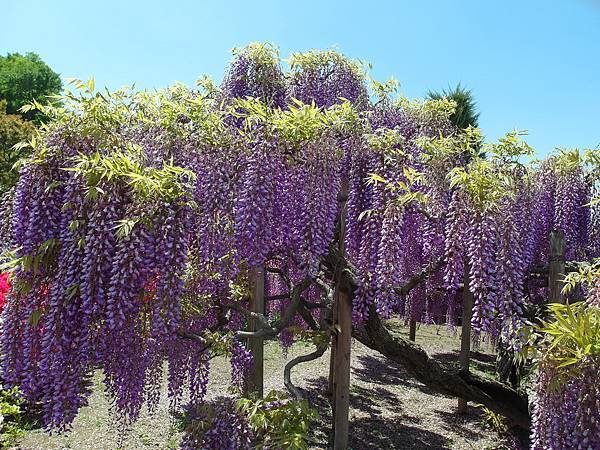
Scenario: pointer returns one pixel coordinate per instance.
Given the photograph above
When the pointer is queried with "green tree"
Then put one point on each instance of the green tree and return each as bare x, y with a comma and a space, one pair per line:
13, 129
24, 78
466, 114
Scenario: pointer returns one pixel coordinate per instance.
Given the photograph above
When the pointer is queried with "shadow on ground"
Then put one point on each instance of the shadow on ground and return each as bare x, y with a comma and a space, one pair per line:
373, 430
462, 424
371, 425
379, 371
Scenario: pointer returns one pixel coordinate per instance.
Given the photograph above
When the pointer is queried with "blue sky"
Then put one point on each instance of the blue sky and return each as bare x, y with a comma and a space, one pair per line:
532, 64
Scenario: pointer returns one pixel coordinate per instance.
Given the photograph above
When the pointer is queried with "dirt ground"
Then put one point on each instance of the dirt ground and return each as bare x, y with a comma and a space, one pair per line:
389, 409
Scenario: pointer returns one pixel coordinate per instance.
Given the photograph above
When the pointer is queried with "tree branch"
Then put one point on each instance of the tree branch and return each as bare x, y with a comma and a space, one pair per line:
318, 305
307, 316
570, 266
270, 330
492, 394
277, 297
419, 277
287, 371
194, 337
427, 214
262, 320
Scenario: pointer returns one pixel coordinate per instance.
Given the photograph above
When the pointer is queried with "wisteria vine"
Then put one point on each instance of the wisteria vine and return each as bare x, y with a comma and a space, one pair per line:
139, 217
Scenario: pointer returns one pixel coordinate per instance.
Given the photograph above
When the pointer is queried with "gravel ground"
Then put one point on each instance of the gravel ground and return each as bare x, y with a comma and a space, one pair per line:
389, 409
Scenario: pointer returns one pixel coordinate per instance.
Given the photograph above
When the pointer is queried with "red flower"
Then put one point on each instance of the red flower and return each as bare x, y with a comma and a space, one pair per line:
4, 288
150, 288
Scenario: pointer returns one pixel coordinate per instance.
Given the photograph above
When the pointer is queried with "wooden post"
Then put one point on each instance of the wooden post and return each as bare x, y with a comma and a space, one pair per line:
465, 337
343, 340
331, 381
256, 345
412, 330
342, 372
556, 271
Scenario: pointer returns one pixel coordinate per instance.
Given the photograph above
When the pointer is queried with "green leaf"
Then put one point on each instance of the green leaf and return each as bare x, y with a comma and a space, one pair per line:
35, 317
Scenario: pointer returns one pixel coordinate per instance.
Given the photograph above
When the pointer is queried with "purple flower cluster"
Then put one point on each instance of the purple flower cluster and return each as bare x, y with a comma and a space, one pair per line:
594, 226
566, 414
326, 78
542, 215
255, 72
282, 208
78, 302
390, 243
501, 243
217, 426
241, 363
457, 225
482, 255
570, 213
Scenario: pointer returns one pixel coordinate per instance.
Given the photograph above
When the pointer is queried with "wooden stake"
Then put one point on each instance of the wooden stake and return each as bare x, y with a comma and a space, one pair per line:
556, 271
256, 345
465, 337
412, 331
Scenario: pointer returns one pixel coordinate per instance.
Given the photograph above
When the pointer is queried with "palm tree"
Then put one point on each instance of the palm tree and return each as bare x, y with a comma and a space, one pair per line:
466, 114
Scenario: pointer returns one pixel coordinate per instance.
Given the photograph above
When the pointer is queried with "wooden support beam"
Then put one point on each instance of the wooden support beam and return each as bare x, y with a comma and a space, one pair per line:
256, 344
465, 337
556, 272
342, 340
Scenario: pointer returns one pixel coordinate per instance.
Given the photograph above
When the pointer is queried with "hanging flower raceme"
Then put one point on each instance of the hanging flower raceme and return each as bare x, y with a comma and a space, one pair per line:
489, 231
571, 214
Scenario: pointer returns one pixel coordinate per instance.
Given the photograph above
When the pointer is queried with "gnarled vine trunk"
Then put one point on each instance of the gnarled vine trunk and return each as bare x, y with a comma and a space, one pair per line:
373, 333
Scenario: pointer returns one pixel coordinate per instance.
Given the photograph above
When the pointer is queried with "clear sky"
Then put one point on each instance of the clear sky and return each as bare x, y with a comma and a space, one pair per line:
531, 64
